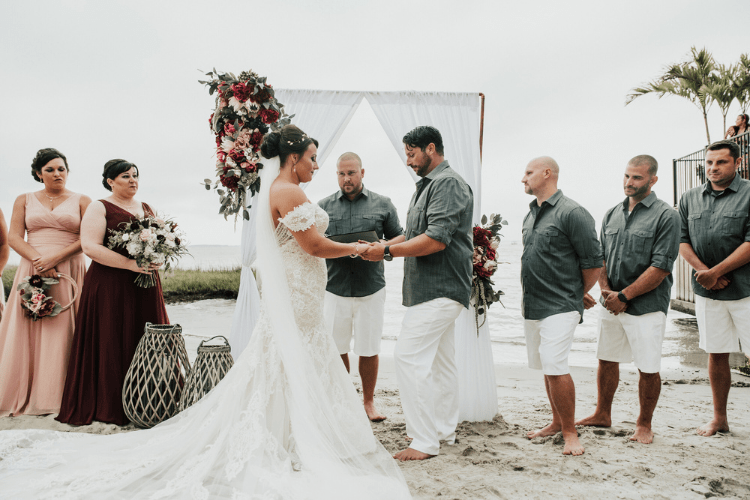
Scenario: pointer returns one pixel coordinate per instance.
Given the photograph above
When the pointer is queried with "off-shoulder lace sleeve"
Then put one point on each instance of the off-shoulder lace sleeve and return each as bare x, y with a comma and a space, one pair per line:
301, 218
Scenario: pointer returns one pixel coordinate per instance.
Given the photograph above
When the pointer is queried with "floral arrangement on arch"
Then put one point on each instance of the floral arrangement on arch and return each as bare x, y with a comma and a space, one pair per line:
245, 109
150, 240
36, 303
486, 240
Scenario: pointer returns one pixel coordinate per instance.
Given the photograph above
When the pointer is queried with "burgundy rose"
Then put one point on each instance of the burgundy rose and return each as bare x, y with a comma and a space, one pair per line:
256, 138
229, 129
237, 156
47, 307
221, 156
36, 281
230, 183
241, 92
269, 115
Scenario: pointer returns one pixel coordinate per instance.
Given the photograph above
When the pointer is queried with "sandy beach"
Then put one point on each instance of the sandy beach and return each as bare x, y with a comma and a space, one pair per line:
495, 459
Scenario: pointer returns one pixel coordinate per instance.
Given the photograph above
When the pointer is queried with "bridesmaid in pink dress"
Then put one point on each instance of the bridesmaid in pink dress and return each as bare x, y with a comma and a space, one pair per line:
34, 354
4, 254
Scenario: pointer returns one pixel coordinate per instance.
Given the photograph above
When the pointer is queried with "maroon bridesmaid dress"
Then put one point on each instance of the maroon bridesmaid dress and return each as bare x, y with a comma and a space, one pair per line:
109, 324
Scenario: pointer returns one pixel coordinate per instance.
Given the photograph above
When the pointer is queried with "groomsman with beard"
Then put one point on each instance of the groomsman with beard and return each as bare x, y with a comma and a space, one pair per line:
438, 250
355, 294
641, 239
560, 263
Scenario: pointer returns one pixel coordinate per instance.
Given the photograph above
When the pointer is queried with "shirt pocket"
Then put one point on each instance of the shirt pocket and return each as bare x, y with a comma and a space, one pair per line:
694, 224
372, 222
546, 239
733, 223
416, 221
335, 226
641, 240
610, 240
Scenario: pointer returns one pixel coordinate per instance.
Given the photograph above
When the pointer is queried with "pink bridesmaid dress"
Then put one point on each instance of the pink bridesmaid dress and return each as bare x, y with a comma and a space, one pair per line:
34, 354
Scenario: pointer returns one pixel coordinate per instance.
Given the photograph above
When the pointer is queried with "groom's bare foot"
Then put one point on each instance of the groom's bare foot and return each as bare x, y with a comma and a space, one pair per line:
373, 414
411, 454
572, 445
643, 435
596, 420
714, 426
550, 430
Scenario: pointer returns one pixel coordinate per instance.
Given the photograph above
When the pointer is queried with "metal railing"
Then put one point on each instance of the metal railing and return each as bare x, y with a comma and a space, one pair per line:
689, 172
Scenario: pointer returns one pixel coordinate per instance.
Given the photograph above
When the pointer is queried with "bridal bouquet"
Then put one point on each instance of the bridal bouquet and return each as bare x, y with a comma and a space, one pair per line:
151, 240
486, 240
35, 302
245, 109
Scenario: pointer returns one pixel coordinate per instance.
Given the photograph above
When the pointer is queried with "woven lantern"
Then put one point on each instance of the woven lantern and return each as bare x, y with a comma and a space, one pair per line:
156, 377
212, 363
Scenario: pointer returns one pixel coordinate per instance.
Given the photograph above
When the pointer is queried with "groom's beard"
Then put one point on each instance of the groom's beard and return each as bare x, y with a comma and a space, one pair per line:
422, 169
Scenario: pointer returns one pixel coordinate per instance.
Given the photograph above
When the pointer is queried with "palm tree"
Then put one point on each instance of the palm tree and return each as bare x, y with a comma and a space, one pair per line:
741, 82
722, 90
688, 79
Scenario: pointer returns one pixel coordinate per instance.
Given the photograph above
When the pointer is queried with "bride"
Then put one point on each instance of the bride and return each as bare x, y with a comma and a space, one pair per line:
285, 423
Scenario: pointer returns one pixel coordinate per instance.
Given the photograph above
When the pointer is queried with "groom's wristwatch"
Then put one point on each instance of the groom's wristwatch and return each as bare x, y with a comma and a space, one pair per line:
622, 297
387, 253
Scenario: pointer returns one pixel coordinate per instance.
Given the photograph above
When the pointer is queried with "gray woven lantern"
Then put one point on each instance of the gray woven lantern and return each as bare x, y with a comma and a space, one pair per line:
156, 377
212, 363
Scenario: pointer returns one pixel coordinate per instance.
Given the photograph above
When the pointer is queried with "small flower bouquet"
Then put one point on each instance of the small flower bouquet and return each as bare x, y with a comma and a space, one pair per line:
486, 240
245, 109
151, 240
35, 302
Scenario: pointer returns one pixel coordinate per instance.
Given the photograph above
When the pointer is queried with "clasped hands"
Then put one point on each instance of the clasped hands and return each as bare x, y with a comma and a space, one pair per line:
372, 251
708, 280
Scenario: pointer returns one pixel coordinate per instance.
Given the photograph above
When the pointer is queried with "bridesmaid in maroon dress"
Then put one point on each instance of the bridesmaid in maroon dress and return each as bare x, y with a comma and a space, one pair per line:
113, 311
34, 354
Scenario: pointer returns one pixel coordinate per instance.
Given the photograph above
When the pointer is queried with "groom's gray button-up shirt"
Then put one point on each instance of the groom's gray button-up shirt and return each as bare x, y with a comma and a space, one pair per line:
441, 208
368, 211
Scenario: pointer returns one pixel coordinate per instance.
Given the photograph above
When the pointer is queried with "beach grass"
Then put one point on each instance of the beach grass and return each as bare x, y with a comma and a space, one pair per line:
180, 285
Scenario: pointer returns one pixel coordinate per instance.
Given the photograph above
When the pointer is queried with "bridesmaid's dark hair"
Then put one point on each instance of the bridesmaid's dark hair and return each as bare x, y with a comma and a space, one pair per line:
289, 140
44, 156
113, 168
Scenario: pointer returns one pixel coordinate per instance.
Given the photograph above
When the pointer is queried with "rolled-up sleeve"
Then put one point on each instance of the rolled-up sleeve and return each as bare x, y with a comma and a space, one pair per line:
667, 241
445, 210
582, 234
392, 226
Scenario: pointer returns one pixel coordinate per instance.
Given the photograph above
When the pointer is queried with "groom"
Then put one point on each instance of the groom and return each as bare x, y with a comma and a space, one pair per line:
437, 284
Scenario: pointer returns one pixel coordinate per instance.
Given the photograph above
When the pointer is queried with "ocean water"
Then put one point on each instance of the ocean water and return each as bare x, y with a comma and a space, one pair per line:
680, 346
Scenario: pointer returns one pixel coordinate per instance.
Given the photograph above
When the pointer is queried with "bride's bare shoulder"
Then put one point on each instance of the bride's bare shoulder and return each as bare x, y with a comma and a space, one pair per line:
286, 196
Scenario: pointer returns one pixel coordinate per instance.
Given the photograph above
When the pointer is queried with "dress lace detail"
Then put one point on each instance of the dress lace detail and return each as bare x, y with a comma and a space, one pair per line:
238, 441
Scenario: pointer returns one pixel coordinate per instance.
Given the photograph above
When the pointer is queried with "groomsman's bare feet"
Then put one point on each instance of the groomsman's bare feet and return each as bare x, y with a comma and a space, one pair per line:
373, 414
411, 454
596, 420
572, 445
713, 427
643, 435
550, 430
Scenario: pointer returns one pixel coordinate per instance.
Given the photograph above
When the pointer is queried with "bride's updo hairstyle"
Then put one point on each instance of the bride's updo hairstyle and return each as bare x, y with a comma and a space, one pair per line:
113, 168
44, 156
289, 140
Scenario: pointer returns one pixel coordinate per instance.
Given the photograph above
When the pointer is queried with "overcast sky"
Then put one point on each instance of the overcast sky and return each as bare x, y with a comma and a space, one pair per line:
118, 79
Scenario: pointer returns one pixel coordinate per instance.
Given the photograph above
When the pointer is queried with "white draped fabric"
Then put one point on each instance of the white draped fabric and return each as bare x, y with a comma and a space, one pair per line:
324, 115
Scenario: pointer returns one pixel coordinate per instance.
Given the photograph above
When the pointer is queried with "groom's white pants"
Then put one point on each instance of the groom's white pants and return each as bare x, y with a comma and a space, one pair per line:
425, 362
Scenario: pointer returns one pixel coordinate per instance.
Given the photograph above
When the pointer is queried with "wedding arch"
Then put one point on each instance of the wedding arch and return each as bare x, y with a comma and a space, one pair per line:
324, 114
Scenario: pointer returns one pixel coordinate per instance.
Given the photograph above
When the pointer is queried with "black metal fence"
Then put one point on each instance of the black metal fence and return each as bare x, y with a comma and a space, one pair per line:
689, 172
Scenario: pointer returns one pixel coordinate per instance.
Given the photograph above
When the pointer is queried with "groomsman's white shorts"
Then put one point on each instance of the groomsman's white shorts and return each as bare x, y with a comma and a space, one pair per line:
360, 318
625, 338
722, 324
548, 342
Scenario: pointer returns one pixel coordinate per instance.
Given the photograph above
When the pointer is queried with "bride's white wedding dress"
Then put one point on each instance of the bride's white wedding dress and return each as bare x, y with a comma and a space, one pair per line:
285, 423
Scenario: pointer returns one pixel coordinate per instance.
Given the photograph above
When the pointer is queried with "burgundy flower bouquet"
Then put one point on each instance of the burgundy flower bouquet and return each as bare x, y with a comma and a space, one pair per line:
245, 109
486, 240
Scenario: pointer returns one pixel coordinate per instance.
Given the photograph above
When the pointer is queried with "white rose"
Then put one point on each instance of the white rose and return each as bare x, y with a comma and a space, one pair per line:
169, 236
126, 237
133, 248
